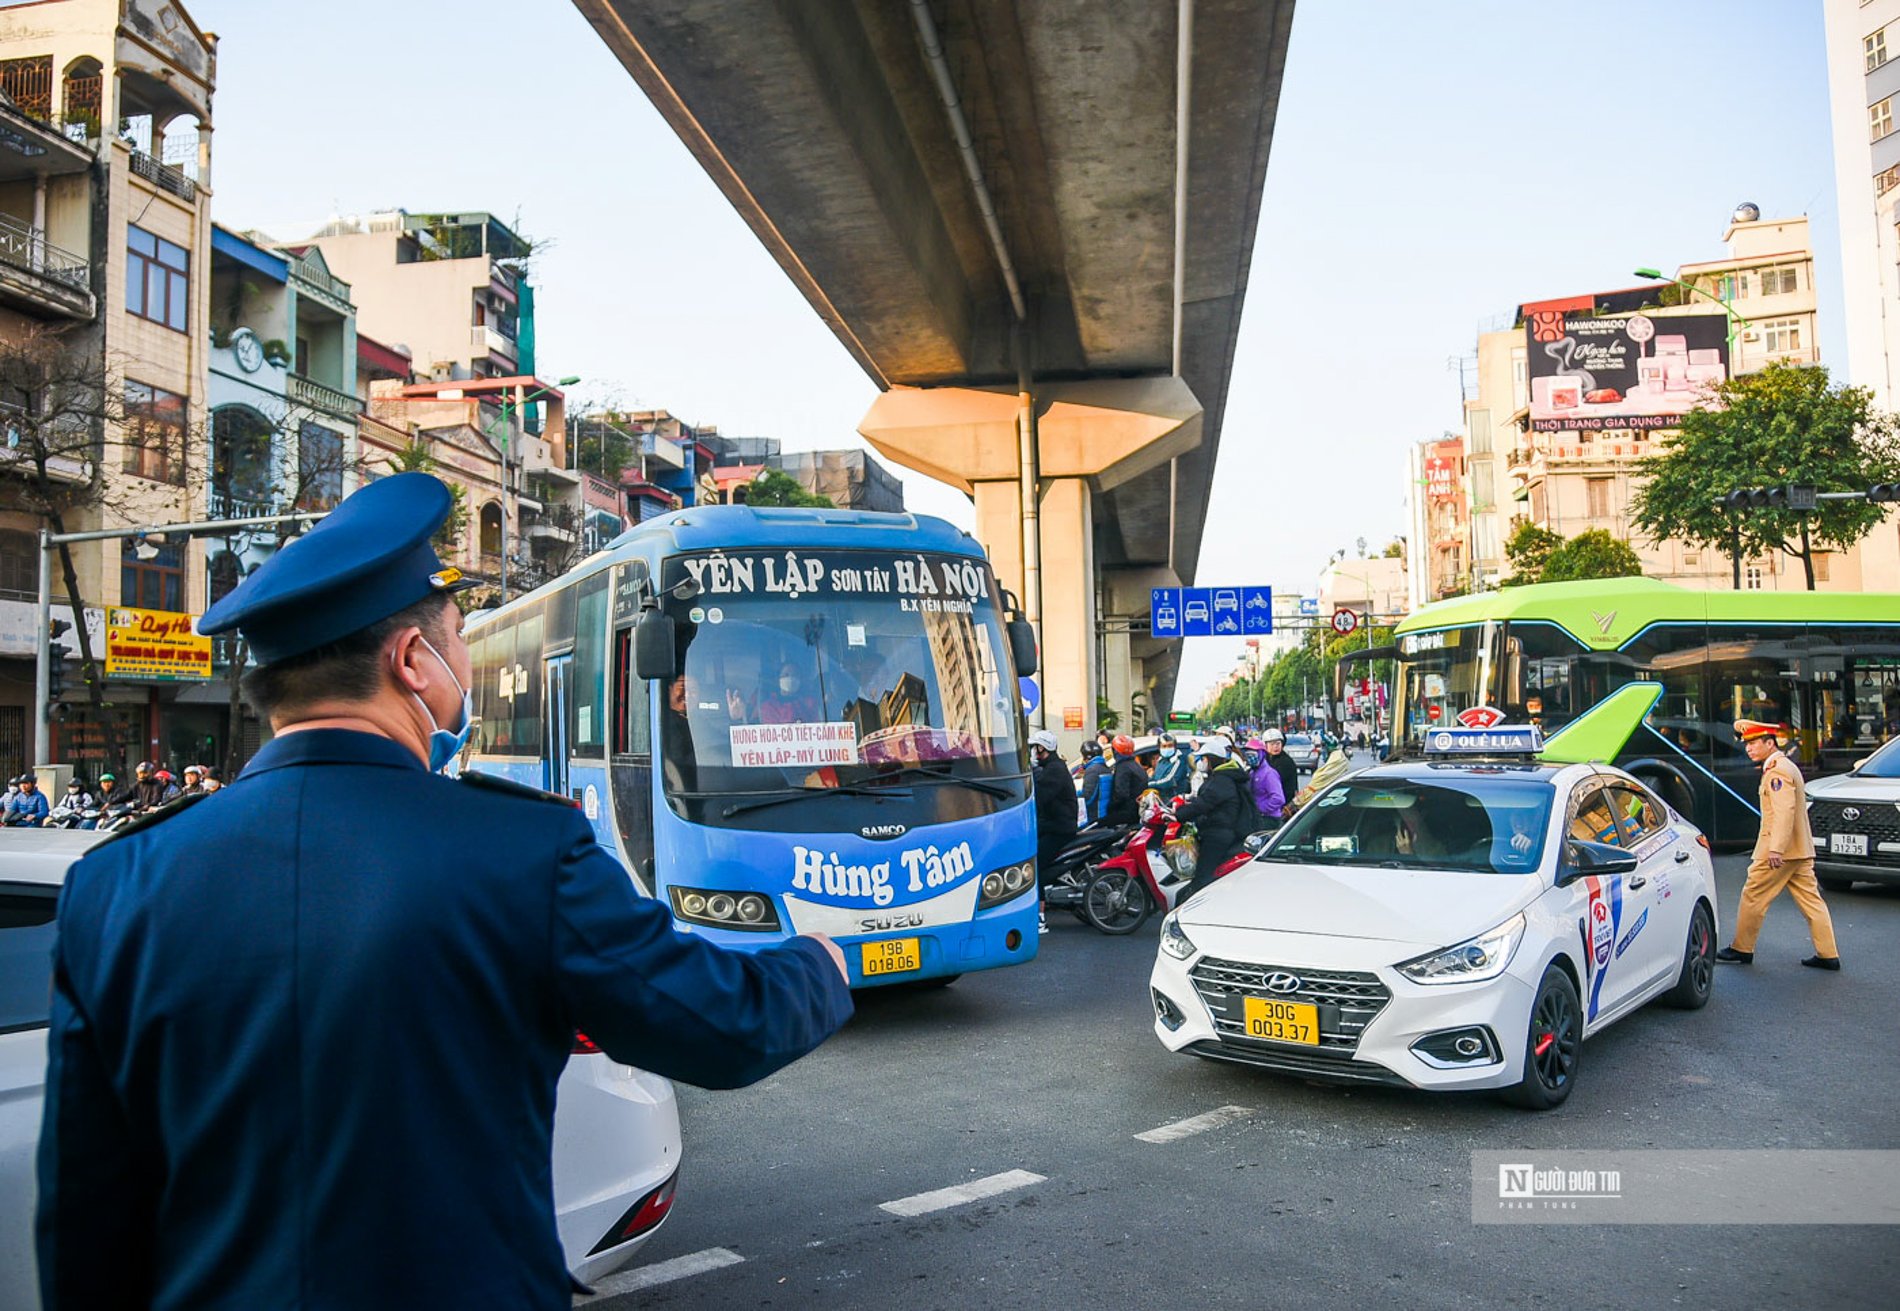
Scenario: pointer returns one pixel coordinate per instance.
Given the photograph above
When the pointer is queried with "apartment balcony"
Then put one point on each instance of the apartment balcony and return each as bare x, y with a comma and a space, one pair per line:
41, 279
484, 337
316, 396
164, 176
321, 286
237, 504
544, 530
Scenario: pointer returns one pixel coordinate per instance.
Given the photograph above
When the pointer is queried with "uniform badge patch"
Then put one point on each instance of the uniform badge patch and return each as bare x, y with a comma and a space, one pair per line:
1774, 785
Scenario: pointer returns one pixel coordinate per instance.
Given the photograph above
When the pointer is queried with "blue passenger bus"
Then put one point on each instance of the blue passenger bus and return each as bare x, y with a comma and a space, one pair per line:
784, 721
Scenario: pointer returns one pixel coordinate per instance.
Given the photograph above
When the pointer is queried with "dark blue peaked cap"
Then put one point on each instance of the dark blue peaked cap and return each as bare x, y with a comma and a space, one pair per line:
369, 558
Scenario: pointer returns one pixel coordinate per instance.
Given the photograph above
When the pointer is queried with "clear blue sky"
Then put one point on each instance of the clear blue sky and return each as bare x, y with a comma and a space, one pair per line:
1434, 164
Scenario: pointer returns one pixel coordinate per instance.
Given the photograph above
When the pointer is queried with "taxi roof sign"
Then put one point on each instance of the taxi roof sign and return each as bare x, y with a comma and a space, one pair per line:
1498, 740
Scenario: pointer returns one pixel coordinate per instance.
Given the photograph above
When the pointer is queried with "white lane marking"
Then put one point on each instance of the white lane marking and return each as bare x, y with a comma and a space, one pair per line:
1187, 1128
663, 1272
956, 1195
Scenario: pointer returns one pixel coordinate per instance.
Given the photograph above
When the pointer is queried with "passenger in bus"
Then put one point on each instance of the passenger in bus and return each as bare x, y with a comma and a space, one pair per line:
787, 701
678, 760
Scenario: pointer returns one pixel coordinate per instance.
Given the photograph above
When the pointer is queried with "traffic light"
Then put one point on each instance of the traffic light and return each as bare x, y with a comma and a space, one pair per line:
1793, 496
55, 679
1884, 492
56, 628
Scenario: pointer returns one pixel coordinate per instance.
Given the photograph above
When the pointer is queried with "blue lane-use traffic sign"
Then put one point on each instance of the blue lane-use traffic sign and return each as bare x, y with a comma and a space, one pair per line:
1309, 605
1030, 693
1256, 609
1197, 615
1164, 612
1209, 611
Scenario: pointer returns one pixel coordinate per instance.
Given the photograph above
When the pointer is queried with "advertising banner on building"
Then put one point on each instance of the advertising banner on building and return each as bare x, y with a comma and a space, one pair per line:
155, 646
1589, 373
1440, 477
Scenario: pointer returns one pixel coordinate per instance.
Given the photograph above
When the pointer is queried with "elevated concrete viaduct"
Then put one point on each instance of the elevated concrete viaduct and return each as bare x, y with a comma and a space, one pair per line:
1031, 222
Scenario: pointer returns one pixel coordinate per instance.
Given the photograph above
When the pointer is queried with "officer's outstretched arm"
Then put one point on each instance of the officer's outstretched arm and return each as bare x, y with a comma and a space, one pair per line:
95, 1222
675, 1004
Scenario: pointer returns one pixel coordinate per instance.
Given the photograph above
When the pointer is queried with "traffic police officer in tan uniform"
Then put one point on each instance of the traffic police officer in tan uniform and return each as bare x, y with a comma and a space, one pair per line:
1784, 853
305, 1033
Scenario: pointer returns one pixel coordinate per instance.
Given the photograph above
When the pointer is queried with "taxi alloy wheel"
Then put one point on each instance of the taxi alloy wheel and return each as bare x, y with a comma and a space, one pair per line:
1697, 979
1116, 902
1552, 1045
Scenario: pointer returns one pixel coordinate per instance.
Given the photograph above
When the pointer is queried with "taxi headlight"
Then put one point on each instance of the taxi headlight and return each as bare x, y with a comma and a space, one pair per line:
1472, 961
1173, 941
1006, 884
748, 911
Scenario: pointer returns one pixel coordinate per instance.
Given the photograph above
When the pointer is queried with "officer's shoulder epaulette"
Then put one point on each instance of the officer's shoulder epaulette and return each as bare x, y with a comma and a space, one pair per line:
159, 816
496, 783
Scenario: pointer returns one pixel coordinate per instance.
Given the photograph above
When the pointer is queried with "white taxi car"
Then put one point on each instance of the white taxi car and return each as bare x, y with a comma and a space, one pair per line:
616, 1129
1461, 923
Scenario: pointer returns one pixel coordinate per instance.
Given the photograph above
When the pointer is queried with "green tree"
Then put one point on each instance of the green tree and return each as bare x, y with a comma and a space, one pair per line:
416, 458
1784, 424
776, 487
1592, 554
602, 446
1529, 549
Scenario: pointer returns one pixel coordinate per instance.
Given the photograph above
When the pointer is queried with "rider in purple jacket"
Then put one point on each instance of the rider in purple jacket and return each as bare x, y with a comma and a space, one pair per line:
1269, 798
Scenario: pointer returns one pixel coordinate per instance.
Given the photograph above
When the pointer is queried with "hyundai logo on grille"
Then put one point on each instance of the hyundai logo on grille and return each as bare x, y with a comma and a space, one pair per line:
1850, 813
1281, 981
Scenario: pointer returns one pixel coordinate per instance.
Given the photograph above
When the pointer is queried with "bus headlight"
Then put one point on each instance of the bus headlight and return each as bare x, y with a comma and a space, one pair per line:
746, 911
1006, 884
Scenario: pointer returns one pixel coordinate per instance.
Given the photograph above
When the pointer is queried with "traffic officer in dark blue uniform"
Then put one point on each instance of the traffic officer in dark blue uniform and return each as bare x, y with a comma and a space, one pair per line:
305, 1035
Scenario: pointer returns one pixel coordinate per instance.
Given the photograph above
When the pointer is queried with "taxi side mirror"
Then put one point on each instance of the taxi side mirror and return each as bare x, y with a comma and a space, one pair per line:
1583, 857
655, 653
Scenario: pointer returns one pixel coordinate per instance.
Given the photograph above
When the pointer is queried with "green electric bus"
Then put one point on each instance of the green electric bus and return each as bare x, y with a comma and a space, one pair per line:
1651, 677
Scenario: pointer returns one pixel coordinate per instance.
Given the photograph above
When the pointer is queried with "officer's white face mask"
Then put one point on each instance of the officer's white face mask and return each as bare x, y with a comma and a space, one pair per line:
444, 744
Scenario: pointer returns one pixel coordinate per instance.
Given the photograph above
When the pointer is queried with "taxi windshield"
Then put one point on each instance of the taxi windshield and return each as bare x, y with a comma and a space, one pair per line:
1473, 825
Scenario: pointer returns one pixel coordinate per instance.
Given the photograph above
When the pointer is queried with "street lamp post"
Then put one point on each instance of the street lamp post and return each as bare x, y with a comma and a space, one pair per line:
43, 671
507, 484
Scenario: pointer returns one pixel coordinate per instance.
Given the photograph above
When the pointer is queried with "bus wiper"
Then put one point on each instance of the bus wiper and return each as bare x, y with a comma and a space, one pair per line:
924, 773
800, 793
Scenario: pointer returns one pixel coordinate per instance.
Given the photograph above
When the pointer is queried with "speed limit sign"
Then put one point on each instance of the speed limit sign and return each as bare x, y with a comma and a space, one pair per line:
1345, 621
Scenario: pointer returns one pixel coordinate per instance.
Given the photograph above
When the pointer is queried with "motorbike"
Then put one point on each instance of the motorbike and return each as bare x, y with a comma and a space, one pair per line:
66, 816
108, 819
1152, 870
1069, 873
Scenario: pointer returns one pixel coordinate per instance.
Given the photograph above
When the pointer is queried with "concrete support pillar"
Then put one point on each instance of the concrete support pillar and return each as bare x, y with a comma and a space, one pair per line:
1090, 438
1068, 610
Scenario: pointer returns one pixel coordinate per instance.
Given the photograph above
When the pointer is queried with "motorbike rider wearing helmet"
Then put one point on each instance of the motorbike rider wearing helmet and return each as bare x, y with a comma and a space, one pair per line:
1269, 798
1222, 812
150, 790
27, 808
1126, 785
1282, 763
1055, 800
1095, 773
1170, 778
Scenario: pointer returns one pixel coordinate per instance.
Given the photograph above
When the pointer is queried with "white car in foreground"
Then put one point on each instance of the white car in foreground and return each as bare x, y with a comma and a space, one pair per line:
1454, 924
616, 1129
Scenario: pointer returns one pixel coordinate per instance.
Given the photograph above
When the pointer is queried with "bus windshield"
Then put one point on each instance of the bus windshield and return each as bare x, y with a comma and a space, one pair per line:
1441, 673
816, 670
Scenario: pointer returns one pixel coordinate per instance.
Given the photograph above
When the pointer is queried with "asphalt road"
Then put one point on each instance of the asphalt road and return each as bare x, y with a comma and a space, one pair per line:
1307, 1196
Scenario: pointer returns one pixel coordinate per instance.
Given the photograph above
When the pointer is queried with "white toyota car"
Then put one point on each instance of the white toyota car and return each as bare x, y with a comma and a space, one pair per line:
616, 1129
1856, 822
1459, 923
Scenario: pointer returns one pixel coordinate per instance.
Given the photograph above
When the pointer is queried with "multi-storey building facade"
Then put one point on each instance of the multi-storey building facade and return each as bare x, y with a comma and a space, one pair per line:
449, 288
1438, 503
1863, 73
105, 236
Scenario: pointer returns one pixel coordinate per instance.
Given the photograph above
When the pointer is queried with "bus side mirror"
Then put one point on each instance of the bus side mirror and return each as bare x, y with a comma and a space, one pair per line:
654, 648
1022, 647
